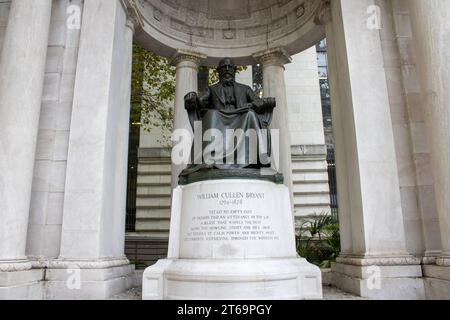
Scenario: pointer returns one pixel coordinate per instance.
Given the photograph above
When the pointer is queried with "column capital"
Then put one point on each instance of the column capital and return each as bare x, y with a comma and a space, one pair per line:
134, 18
187, 56
275, 56
323, 14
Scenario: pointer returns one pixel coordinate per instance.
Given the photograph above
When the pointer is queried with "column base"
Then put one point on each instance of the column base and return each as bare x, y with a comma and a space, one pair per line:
437, 282
88, 281
21, 285
252, 279
393, 282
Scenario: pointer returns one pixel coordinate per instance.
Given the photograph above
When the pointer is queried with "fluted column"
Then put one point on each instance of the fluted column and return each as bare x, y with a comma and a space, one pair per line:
274, 85
187, 64
22, 68
431, 34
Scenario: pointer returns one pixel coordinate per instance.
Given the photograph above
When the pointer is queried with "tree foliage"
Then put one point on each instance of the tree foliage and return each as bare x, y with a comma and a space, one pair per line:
152, 90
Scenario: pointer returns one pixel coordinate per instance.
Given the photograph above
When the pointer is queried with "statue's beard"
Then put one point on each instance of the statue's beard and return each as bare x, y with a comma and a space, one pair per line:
227, 81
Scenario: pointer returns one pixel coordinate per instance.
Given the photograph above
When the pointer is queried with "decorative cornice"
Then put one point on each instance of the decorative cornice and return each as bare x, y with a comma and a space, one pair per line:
366, 261
275, 56
323, 14
187, 56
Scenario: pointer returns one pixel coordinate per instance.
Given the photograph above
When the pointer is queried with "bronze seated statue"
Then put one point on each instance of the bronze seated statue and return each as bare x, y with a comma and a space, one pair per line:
233, 111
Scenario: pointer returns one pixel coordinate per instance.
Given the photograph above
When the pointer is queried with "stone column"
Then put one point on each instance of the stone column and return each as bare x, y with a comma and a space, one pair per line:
371, 217
431, 36
274, 85
22, 68
187, 64
93, 228
431, 33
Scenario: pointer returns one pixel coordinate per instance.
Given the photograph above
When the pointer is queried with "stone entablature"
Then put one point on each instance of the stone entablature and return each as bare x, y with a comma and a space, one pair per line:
240, 28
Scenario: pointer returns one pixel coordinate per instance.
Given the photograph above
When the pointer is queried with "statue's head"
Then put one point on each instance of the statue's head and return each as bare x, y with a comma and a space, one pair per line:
226, 69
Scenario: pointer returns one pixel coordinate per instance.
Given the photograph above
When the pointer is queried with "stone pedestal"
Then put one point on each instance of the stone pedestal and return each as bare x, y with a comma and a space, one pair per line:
399, 279
232, 239
21, 285
88, 280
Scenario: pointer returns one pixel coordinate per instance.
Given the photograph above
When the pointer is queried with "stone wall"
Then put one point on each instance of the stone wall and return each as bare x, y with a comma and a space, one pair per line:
46, 212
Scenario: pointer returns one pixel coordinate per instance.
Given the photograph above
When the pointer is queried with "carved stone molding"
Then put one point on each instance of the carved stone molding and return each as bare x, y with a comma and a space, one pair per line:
443, 261
429, 260
323, 15
134, 17
187, 56
365, 261
15, 265
275, 56
235, 28
81, 264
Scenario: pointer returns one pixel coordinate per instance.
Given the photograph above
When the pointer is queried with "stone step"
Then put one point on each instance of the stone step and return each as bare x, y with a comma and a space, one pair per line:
152, 225
311, 193
153, 179
309, 165
152, 213
315, 199
314, 177
307, 170
155, 167
154, 173
152, 202
153, 195
157, 184
152, 208
155, 189
311, 188
305, 211
155, 233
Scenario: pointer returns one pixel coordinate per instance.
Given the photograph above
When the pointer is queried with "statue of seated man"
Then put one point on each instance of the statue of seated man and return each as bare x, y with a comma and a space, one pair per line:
241, 119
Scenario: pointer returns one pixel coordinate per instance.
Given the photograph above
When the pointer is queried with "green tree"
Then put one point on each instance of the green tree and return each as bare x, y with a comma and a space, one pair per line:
152, 90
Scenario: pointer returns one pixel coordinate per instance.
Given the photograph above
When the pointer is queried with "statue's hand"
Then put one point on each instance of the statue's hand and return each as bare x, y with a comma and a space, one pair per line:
254, 107
190, 101
269, 103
